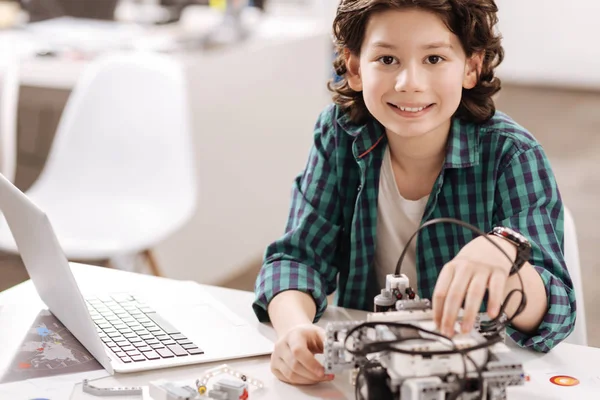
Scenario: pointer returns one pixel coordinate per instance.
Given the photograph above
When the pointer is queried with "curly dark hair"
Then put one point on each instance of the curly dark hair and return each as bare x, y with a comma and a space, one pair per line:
472, 21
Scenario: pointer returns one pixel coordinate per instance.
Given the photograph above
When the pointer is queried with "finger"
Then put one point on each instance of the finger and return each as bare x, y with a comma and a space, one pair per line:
454, 299
474, 298
285, 374
302, 362
441, 291
316, 344
496, 287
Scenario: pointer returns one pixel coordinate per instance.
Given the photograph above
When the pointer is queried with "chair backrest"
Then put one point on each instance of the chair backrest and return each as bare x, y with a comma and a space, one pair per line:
579, 334
9, 101
125, 132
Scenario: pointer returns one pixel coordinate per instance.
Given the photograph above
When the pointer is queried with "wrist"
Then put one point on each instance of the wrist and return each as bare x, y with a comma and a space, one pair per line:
518, 242
290, 309
509, 248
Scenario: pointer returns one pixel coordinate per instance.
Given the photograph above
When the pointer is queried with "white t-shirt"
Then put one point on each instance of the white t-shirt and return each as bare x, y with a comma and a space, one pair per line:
397, 220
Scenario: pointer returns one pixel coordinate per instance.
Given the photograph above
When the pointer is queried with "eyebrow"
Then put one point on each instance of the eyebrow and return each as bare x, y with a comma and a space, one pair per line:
438, 45
384, 45
434, 45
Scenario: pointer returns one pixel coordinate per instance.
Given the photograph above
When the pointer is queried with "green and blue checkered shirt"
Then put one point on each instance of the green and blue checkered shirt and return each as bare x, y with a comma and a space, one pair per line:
494, 174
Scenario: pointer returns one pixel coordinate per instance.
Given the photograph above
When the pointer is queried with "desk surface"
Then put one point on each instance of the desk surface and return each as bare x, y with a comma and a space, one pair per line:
20, 305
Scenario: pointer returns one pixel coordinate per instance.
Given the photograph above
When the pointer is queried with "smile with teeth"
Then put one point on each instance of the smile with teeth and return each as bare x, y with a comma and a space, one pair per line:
411, 109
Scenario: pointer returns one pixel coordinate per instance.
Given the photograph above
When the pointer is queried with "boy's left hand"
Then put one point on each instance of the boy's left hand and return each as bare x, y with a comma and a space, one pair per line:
478, 266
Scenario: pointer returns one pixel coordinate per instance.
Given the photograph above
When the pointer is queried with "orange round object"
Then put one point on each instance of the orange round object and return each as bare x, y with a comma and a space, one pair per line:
564, 380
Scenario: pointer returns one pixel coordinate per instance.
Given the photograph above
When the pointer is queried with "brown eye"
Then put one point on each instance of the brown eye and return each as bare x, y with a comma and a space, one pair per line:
387, 60
434, 59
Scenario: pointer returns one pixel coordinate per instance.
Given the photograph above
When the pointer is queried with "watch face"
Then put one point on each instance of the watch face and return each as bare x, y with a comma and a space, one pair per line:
511, 234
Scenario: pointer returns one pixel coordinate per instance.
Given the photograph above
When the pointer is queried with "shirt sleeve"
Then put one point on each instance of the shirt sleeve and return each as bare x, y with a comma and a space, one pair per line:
528, 201
302, 259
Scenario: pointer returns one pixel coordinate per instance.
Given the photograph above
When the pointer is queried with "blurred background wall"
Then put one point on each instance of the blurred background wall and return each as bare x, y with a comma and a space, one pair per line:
550, 42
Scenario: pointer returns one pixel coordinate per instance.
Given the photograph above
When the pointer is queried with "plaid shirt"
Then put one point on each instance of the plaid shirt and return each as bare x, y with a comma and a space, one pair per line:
494, 174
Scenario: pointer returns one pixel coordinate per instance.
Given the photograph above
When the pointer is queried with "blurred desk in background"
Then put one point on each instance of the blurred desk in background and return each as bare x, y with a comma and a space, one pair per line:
254, 105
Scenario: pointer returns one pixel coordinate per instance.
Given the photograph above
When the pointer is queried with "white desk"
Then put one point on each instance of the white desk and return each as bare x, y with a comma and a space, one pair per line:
20, 305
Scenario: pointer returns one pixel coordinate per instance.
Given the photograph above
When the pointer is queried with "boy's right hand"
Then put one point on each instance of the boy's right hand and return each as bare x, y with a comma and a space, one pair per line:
293, 359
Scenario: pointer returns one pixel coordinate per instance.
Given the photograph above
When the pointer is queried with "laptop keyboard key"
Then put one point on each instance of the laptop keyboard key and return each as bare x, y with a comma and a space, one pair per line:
152, 355
126, 359
165, 353
177, 350
138, 358
157, 346
178, 336
189, 346
195, 351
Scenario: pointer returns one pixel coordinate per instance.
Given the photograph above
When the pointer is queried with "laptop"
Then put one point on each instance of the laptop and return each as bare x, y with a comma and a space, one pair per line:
156, 325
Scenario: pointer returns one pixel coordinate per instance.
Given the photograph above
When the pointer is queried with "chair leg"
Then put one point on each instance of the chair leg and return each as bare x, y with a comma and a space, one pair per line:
109, 264
152, 262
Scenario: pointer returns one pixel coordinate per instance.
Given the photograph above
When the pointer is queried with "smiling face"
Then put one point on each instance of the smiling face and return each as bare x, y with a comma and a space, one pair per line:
411, 71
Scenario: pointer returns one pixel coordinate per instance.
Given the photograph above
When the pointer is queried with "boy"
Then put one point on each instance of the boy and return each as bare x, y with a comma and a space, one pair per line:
414, 135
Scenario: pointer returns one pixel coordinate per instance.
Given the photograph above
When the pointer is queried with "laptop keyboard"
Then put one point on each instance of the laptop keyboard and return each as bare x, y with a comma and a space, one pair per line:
135, 332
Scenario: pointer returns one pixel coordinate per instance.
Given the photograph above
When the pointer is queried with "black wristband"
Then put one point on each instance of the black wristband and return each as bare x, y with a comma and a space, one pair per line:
522, 244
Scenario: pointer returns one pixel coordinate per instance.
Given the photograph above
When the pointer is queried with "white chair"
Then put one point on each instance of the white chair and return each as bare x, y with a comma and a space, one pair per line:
579, 334
119, 177
9, 101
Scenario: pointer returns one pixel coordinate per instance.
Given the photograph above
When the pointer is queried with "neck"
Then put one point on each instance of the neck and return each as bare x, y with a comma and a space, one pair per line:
419, 155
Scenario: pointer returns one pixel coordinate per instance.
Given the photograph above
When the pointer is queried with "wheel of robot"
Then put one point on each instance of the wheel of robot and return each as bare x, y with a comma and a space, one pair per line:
372, 383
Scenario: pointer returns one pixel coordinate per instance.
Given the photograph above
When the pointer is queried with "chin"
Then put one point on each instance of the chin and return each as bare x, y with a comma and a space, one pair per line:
406, 132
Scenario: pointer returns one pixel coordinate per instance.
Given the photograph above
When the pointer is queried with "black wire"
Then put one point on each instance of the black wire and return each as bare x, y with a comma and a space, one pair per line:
400, 340
514, 269
479, 369
388, 347
490, 326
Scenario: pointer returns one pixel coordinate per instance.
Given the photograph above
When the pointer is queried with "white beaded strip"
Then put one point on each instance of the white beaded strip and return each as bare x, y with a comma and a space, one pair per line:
112, 391
225, 369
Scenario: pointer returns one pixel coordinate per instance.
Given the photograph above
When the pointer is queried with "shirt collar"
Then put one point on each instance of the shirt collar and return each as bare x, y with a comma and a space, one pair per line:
462, 149
367, 135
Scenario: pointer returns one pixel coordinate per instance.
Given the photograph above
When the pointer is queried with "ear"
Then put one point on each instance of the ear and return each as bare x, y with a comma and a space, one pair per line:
353, 71
473, 68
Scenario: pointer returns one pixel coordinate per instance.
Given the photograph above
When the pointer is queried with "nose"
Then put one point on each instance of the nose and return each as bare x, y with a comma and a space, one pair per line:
410, 79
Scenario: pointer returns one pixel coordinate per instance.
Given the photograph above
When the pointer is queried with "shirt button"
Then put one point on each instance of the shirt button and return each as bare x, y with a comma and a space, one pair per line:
359, 188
